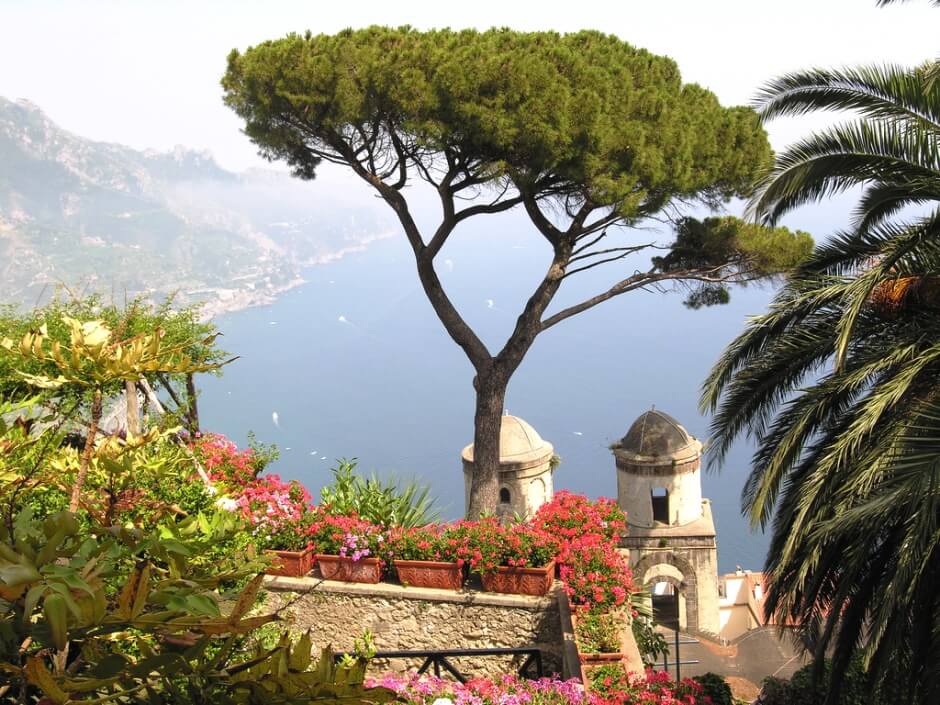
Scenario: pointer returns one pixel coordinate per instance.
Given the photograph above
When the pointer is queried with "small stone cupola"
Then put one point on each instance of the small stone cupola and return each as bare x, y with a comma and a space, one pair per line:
659, 472
525, 469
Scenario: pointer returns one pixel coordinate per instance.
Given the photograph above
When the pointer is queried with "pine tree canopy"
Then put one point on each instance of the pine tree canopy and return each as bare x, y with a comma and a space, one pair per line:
581, 116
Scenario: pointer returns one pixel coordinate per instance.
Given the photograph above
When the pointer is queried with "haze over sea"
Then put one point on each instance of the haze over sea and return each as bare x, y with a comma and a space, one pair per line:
356, 364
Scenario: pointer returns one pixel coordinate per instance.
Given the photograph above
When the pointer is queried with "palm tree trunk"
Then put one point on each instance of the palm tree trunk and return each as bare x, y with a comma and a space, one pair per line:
86, 451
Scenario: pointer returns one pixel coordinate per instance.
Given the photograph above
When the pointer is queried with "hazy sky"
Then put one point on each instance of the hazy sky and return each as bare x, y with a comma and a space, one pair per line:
146, 73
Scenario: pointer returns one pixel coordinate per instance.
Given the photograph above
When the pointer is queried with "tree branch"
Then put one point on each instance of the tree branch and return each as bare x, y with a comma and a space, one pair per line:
628, 250
543, 224
453, 323
577, 221
600, 224
624, 252
528, 324
493, 207
639, 280
582, 248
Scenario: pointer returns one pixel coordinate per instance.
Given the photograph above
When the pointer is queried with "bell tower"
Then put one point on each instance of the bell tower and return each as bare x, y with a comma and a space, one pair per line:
671, 534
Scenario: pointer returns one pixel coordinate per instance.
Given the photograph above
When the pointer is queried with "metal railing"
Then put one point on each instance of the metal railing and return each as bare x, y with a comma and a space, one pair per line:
438, 659
678, 662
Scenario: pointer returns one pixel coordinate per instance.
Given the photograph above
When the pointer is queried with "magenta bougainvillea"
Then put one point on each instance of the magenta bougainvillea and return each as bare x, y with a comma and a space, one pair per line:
613, 687
413, 689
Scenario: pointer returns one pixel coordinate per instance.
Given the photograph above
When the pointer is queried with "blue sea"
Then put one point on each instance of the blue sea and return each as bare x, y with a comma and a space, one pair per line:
354, 364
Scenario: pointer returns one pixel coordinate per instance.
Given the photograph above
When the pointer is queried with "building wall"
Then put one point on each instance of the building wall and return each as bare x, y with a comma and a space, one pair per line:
684, 484
741, 604
416, 618
529, 487
696, 561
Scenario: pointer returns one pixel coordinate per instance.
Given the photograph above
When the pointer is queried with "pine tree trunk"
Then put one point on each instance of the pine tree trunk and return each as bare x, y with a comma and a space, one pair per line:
87, 452
133, 408
487, 420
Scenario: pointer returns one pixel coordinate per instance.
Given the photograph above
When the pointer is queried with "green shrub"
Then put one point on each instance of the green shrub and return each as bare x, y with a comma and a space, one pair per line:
804, 689
716, 688
387, 503
599, 632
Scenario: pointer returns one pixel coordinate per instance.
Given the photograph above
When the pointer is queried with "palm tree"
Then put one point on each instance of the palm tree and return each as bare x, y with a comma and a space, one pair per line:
839, 383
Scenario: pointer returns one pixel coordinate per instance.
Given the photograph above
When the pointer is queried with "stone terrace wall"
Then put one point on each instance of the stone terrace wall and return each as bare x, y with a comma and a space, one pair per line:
410, 618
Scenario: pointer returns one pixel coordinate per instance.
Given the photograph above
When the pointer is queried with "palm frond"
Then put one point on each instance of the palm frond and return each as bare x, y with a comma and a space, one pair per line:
844, 156
892, 93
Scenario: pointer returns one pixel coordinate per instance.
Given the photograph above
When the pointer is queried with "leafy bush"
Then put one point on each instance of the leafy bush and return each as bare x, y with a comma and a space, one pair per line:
385, 503
804, 689
599, 632
716, 688
124, 616
178, 326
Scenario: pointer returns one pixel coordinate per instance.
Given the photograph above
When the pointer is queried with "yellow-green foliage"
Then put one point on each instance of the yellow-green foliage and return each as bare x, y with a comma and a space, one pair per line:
180, 329
93, 597
95, 357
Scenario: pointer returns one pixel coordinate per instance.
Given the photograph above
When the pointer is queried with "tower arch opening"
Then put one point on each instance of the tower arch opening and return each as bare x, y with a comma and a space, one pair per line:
659, 498
673, 585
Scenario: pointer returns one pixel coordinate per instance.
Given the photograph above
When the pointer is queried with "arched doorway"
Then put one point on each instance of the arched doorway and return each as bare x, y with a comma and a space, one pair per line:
672, 583
669, 608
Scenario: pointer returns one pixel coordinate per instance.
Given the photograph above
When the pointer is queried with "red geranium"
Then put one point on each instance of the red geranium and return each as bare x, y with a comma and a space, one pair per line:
569, 516
486, 544
612, 685
597, 575
223, 461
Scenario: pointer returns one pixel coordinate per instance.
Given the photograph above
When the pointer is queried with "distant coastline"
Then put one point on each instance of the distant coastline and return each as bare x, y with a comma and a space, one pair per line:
233, 300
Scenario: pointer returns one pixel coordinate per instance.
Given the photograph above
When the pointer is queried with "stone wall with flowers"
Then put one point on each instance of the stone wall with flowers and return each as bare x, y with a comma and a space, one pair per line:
409, 618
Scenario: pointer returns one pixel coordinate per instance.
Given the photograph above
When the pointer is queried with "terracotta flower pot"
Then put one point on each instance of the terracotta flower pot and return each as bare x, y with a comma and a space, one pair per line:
430, 574
365, 570
520, 581
292, 564
600, 658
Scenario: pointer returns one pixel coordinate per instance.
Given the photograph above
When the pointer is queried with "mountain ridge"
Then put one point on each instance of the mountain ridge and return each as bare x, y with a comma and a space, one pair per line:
95, 215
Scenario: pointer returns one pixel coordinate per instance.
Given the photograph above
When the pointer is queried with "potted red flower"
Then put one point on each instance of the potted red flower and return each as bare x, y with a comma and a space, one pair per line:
278, 511
569, 517
599, 577
288, 547
348, 548
517, 559
599, 635
427, 556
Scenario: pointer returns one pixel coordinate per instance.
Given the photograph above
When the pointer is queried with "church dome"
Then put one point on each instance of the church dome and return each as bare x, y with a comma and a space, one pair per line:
655, 434
518, 443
